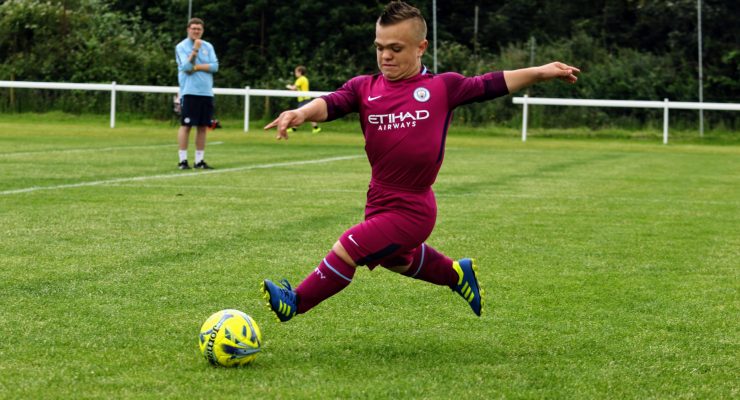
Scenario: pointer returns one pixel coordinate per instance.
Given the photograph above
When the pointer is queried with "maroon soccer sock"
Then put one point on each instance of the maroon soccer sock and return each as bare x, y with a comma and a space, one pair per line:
329, 278
432, 266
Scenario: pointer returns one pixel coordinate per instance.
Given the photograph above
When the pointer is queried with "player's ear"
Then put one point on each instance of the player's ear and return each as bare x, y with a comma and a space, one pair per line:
422, 47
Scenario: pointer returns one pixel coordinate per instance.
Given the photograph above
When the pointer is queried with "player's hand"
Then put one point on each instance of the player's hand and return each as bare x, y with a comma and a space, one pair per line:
286, 119
560, 71
197, 43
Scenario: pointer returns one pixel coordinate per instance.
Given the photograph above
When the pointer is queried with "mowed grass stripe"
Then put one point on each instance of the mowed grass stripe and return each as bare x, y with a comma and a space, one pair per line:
667, 201
179, 175
91, 149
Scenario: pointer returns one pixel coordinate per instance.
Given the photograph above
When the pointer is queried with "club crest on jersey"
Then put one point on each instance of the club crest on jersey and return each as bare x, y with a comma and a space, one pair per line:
421, 94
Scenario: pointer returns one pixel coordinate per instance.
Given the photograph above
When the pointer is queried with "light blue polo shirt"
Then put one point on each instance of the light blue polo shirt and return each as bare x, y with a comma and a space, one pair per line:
199, 83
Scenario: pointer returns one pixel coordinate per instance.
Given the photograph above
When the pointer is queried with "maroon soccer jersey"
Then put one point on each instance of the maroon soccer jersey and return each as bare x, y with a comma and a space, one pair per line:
405, 122
405, 125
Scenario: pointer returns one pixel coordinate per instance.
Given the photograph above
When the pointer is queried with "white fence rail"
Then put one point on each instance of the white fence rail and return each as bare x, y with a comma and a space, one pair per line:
113, 88
665, 105
248, 92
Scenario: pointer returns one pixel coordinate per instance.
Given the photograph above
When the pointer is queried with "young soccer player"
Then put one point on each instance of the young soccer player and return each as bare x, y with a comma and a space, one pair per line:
301, 85
404, 113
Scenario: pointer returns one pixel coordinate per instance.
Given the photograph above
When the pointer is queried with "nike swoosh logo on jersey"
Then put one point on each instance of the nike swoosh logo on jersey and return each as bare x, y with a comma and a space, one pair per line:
353, 240
369, 98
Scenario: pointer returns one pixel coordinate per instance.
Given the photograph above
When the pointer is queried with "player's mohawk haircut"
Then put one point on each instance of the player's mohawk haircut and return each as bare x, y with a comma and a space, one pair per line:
398, 11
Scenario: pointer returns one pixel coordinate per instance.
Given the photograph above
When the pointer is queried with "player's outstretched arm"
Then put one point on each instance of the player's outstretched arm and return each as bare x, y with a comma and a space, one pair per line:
520, 78
315, 111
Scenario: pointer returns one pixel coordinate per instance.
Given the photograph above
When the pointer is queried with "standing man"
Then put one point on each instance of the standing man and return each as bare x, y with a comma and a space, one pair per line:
405, 112
196, 64
301, 85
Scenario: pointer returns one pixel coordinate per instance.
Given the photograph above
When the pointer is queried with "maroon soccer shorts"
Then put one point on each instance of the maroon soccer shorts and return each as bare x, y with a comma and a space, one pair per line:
396, 223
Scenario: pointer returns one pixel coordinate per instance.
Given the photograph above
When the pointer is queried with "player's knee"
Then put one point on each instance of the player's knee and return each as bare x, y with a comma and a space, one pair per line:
339, 250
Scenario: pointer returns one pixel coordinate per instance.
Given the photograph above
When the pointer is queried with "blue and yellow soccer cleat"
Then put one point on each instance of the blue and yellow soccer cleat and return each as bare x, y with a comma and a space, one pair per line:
467, 285
281, 300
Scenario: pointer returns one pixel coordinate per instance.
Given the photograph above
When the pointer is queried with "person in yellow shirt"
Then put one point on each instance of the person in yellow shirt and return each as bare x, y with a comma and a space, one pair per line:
301, 85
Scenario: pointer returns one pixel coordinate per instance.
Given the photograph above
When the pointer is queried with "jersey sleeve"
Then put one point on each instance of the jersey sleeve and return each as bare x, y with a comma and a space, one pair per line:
212, 60
182, 55
345, 100
464, 90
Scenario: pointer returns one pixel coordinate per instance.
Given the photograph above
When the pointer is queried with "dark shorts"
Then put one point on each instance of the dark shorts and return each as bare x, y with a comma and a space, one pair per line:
303, 103
196, 110
396, 223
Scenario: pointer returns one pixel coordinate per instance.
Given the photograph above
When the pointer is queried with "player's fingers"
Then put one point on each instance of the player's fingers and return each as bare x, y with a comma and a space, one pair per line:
272, 124
283, 126
565, 67
568, 73
570, 78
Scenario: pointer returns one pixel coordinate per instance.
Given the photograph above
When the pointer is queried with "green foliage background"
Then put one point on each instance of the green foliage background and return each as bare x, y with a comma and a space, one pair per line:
627, 50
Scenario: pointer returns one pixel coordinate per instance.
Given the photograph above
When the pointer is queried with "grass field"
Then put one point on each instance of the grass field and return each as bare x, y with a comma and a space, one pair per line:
611, 268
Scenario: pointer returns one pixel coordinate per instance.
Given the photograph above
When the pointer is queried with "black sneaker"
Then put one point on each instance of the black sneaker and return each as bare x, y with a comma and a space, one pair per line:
183, 165
202, 165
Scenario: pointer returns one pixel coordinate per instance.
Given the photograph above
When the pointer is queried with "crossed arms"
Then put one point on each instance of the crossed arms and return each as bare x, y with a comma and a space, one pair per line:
188, 66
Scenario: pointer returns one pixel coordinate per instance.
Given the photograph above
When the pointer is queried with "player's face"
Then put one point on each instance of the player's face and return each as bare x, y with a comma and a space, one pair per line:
195, 31
399, 49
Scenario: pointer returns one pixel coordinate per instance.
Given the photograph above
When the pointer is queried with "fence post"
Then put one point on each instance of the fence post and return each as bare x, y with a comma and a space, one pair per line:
665, 122
246, 109
113, 104
524, 119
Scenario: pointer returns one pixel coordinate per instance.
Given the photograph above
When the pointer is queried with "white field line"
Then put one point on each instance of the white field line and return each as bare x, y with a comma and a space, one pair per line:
234, 188
179, 175
86, 150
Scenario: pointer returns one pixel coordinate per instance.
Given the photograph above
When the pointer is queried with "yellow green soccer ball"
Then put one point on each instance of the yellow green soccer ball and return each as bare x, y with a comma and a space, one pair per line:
230, 338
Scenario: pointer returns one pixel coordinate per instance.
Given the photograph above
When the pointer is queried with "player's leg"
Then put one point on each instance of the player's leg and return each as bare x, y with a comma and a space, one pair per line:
205, 116
366, 243
200, 148
334, 273
429, 265
183, 135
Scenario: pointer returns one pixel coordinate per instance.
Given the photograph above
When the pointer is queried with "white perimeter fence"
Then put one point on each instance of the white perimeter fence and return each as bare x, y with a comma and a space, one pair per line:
665, 105
247, 92
112, 87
